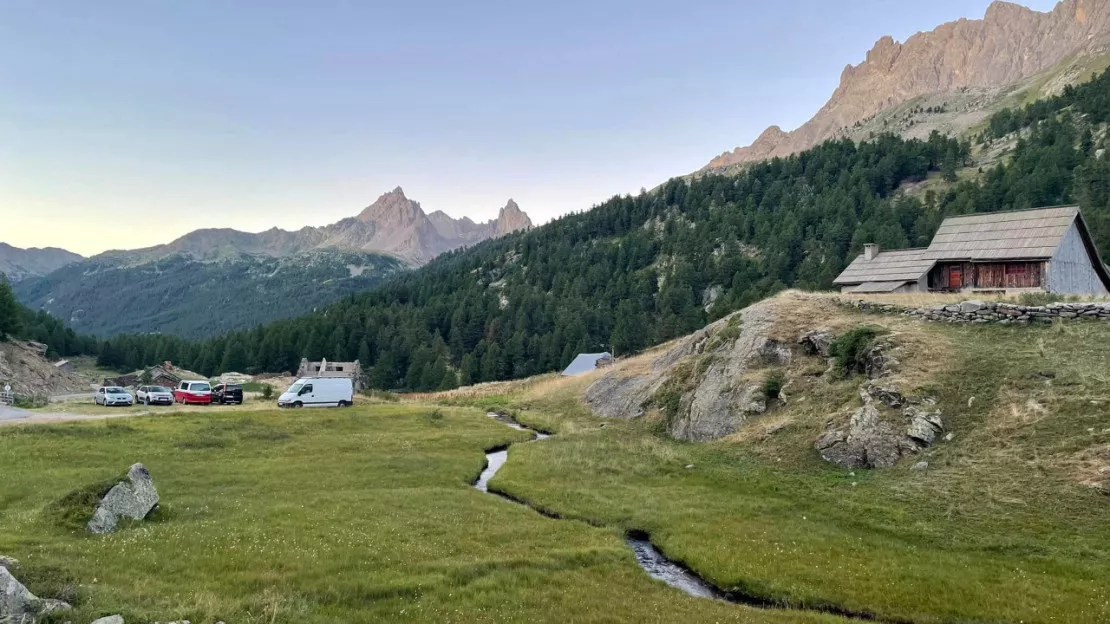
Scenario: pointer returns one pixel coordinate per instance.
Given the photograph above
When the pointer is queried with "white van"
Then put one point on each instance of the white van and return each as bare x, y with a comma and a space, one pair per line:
318, 392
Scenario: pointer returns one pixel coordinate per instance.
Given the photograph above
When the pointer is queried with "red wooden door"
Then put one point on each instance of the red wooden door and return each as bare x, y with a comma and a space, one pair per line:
955, 277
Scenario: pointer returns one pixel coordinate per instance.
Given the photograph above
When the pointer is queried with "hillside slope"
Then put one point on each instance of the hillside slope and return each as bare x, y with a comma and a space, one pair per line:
1000, 519
1009, 45
19, 264
186, 297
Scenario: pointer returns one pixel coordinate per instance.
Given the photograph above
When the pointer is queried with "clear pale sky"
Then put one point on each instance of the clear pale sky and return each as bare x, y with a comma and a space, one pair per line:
127, 123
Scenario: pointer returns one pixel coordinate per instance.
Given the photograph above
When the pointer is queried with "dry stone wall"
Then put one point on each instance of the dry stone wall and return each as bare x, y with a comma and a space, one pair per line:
974, 311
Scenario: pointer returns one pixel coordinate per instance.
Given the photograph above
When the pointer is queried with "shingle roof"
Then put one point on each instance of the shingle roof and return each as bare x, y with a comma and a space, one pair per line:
878, 287
1023, 234
1016, 235
584, 363
903, 265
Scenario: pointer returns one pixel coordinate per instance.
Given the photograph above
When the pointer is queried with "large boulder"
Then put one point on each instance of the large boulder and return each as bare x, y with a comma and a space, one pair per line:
18, 604
877, 438
133, 497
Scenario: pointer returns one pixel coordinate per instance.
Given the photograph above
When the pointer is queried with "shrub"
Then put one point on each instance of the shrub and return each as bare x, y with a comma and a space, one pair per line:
31, 401
773, 383
267, 392
851, 348
1039, 298
381, 395
74, 510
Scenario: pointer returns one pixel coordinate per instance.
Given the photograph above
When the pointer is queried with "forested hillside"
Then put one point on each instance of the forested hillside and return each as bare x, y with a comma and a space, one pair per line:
17, 321
187, 297
636, 271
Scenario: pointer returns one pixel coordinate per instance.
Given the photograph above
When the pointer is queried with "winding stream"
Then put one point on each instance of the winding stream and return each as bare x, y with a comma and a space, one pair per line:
650, 559
648, 556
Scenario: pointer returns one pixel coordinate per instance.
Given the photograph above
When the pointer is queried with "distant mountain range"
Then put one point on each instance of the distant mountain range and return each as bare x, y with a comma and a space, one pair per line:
213, 281
974, 60
394, 225
19, 264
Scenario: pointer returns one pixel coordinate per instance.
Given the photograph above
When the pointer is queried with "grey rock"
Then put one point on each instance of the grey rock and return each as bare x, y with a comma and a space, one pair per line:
706, 372
968, 307
111, 619
613, 396
50, 605
872, 440
772, 352
8, 562
890, 396
816, 342
133, 497
16, 601
919, 466
924, 425
18, 604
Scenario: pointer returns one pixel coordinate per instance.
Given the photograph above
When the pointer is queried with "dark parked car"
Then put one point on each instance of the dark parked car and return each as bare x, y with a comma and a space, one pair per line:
227, 394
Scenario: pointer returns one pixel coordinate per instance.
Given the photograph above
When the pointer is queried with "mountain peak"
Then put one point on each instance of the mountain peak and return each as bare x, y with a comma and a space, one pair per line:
392, 209
1009, 44
511, 218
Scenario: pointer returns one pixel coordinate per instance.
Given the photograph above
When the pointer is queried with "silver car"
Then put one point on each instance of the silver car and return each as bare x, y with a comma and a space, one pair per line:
113, 395
154, 395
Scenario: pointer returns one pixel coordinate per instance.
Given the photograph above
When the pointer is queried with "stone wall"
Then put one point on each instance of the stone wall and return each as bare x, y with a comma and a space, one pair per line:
975, 311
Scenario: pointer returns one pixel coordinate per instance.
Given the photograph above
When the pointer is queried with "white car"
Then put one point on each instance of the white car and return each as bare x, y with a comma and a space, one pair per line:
318, 392
154, 395
113, 395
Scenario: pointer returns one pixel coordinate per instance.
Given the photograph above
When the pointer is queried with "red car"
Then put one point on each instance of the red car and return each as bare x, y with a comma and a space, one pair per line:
195, 392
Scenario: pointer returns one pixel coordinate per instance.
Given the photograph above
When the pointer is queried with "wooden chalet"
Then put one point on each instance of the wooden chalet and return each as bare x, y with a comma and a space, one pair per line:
1039, 250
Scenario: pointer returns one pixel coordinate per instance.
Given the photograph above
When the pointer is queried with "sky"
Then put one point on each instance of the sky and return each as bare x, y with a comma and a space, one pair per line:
126, 124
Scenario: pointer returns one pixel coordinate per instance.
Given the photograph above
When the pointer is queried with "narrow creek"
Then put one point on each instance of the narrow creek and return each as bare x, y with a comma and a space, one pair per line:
650, 559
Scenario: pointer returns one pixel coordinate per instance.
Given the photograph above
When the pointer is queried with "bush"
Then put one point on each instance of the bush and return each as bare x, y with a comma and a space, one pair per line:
31, 401
267, 392
74, 510
381, 395
851, 348
1039, 298
773, 383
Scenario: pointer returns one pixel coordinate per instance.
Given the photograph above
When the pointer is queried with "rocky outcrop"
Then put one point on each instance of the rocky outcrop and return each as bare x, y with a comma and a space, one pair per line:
1009, 44
700, 382
111, 619
816, 342
23, 366
19, 605
878, 438
133, 497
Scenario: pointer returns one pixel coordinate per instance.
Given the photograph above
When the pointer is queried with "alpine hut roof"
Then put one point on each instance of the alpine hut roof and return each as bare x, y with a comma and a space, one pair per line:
585, 363
1019, 235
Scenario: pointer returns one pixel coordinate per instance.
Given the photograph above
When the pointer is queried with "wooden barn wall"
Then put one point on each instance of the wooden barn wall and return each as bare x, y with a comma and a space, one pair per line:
991, 275
1071, 269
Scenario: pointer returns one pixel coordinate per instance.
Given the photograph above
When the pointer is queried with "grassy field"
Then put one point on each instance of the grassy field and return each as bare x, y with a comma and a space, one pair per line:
1003, 526
367, 514
358, 515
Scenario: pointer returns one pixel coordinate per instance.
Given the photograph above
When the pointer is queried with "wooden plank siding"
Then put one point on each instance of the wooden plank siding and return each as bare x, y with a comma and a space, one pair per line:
994, 275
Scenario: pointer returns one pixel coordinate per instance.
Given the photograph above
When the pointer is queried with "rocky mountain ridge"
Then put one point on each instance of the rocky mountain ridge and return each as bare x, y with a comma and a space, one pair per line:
1011, 43
393, 225
19, 264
